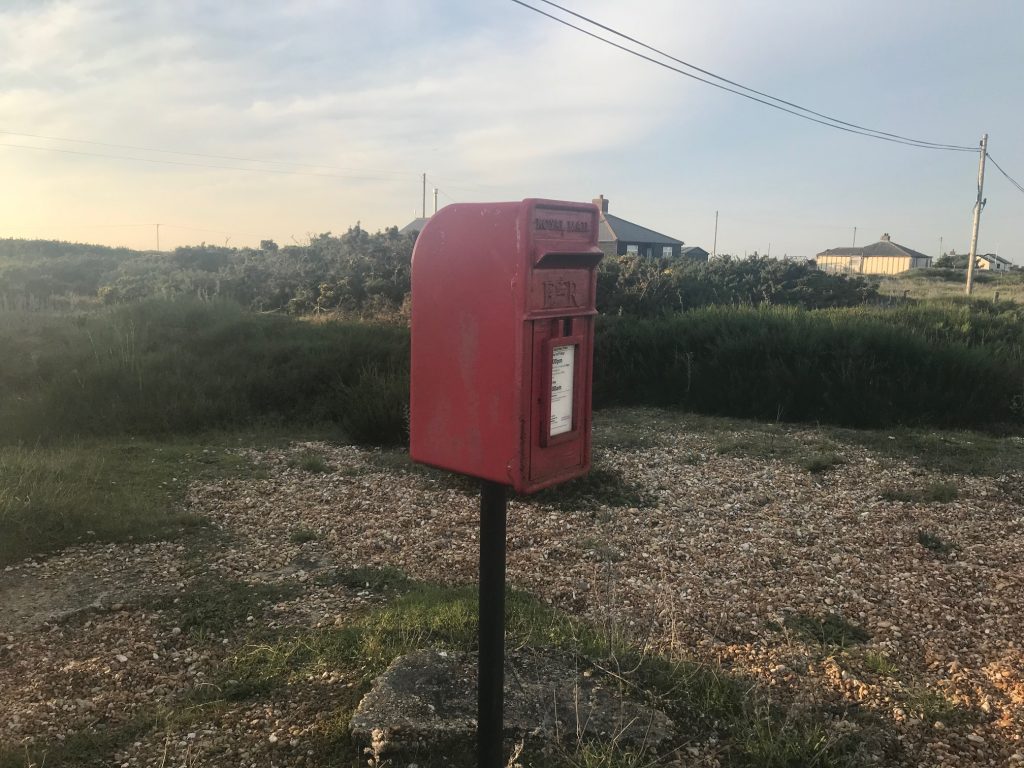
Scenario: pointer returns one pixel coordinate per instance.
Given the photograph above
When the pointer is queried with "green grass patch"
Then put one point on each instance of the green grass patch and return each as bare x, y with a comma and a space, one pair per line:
52, 497
934, 543
703, 700
968, 453
385, 579
880, 664
302, 535
816, 463
213, 606
932, 705
932, 493
91, 747
830, 630
602, 486
310, 461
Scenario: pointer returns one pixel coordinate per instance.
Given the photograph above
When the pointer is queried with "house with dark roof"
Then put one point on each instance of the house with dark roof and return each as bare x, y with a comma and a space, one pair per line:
415, 226
694, 253
882, 258
618, 237
991, 261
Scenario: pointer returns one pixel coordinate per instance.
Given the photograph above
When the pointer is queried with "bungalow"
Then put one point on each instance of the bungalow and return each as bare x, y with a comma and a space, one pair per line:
882, 258
618, 237
991, 261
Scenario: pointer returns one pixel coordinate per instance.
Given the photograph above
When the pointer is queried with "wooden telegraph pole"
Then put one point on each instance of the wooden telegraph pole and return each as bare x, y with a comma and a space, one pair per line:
977, 215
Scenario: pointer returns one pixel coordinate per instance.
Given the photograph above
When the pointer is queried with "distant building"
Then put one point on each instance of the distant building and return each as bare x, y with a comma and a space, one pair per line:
694, 253
415, 226
882, 258
991, 261
618, 237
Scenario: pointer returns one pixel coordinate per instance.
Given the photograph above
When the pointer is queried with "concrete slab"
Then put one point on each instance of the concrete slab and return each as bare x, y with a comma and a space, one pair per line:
423, 708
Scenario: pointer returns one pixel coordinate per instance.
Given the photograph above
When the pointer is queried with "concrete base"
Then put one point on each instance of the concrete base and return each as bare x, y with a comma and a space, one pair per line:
423, 708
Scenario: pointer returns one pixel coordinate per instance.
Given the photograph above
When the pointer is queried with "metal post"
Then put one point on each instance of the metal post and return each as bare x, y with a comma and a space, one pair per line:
977, 215
714, 248
491, 668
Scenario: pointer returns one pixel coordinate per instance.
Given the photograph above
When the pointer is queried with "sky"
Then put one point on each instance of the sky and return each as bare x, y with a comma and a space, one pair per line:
282, 120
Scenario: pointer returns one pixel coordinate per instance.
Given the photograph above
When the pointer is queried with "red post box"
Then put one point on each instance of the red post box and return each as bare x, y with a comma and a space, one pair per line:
502, 341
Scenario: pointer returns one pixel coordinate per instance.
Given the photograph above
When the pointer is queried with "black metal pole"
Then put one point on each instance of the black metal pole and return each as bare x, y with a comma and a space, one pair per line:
491, 669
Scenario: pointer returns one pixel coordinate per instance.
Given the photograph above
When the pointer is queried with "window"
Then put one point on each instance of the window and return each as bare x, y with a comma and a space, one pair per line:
633, 249
666, 252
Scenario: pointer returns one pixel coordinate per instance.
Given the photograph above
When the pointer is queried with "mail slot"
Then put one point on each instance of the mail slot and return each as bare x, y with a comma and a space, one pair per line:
503, 306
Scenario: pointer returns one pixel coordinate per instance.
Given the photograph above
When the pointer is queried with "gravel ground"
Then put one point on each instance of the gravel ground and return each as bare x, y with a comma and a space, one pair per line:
716, 557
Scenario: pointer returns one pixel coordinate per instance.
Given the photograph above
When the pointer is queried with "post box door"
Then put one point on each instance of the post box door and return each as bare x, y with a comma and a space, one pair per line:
560, 411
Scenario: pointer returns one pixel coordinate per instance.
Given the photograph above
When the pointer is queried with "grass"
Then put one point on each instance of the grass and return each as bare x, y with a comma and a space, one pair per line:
936, 544
112, 490
934, 492
931, 705
302, 535
773, 441
966, 452
938, 284
702, 699
90, 747
602, 486
215, 606
706, 702
310, 461
830, 630
880, 664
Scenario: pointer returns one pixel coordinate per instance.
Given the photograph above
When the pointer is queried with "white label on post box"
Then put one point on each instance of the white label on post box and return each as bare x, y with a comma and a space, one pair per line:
562, 362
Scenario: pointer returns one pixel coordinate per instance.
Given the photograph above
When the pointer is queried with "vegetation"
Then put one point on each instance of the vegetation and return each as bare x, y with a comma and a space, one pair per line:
862, 367
643, 287
98, 491
166, 367
183, 367
830, 630
936, 492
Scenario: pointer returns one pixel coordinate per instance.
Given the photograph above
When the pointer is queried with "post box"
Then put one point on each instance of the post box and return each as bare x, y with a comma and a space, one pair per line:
502, 341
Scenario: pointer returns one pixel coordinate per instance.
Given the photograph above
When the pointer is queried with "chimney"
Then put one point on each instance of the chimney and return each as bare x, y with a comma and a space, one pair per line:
601, 203
885, 238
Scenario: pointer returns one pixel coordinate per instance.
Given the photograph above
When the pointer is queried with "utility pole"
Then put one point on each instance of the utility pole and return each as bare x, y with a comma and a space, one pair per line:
435, 199
978, 205
714, 248
158, 237
854, 237
424, 195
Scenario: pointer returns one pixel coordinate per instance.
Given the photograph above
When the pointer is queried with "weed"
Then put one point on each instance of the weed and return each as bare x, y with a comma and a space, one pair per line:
830, 630
880, 664
385, 579
302, 535
53, 497
931, 705
310, 461
934, 543
822, 462
603, 486
935, 492
213, 606
89, 747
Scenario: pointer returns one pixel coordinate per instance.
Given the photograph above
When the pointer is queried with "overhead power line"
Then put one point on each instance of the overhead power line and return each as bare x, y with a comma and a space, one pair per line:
188, 154
197, 165
1008, 176
739, 90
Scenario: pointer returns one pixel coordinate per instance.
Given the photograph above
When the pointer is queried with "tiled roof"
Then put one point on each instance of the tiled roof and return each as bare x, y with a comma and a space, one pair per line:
881, 248
416, 225
613, 228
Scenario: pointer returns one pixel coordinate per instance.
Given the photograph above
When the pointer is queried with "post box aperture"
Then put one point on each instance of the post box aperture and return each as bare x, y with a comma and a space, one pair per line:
503, 306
